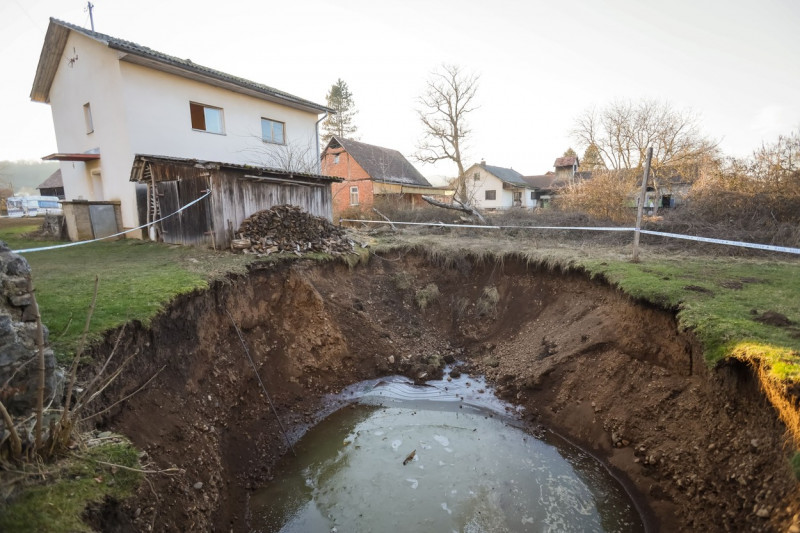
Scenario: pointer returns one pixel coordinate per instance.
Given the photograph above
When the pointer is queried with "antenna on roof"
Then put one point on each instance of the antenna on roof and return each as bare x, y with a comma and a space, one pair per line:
89, 7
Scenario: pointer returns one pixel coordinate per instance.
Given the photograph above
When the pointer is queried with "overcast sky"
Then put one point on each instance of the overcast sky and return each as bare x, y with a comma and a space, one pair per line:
541, 63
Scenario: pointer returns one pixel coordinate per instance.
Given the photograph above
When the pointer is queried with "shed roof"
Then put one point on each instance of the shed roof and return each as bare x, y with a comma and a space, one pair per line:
382, 164
55, 180
56, 39
288, 175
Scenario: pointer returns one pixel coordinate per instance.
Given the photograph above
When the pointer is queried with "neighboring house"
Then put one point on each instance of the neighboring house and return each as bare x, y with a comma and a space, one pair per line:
52, 186
112, 100
548, 185
491, 187
567, 167
371, 172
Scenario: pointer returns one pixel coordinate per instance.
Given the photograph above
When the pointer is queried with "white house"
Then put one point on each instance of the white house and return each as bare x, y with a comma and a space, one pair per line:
113, 99
491, 187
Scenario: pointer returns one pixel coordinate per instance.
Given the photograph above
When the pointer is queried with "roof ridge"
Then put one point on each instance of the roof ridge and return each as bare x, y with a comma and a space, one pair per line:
186, 64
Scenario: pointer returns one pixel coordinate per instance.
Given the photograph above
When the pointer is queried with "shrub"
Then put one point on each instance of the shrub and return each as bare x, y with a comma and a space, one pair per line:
425, 297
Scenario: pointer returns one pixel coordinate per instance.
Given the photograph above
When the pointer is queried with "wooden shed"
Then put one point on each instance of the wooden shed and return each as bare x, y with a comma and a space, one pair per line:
166, 184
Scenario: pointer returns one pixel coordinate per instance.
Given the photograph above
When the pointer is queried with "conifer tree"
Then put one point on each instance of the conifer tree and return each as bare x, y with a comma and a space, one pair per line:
340, 123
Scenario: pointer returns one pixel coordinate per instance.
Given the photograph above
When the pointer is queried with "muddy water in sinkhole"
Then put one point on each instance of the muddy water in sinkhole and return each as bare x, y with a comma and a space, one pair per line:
445, 457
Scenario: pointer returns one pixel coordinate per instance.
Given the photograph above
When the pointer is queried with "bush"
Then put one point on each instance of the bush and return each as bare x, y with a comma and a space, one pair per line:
425, 297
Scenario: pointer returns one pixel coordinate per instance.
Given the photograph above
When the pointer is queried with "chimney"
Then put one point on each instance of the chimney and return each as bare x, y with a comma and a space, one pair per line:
483, 163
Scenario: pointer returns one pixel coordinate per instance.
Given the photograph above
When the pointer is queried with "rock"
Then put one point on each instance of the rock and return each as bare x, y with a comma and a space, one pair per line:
198, 485
794, 528
763, 512
391, 359
455, 373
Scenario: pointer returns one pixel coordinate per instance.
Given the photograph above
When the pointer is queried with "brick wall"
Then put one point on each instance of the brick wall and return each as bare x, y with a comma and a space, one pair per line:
354, 176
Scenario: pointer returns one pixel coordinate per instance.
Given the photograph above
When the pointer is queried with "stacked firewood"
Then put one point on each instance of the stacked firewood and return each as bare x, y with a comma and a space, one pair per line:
287, 228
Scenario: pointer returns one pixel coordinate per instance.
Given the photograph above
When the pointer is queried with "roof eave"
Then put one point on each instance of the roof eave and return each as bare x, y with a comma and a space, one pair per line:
54, 42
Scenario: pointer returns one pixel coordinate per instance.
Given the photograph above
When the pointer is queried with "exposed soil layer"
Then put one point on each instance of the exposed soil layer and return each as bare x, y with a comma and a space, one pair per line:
702, 449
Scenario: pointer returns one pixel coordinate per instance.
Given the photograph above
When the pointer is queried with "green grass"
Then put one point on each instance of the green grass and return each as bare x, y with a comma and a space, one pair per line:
136, 279
57, 506
719, 299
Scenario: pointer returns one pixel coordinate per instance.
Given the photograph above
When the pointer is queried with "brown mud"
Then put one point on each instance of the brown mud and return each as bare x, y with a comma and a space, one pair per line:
701, 448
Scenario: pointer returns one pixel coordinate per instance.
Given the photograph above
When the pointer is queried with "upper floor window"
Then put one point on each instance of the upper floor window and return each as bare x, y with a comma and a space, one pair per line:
336, 159
476, 177
272, 131
491, 195
353, 195
206, 118
87, 117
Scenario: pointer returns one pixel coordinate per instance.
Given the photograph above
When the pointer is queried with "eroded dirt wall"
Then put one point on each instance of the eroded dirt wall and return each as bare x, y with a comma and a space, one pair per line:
702, 448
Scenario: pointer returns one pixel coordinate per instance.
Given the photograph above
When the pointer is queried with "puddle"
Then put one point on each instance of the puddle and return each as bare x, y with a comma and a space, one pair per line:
447, 457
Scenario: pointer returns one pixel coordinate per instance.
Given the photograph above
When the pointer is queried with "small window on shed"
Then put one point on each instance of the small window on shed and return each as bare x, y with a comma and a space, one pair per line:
354, 195
491, 195
206, 118
87, 117
533, 195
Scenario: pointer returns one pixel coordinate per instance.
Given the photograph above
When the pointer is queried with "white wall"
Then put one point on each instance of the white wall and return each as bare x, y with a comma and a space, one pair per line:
137, 110
504, 197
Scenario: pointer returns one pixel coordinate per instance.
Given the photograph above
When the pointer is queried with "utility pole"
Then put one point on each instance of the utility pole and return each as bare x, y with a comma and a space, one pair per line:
89, 7
642, 197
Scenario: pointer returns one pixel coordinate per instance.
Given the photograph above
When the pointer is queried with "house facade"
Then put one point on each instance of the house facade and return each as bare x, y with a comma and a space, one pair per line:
372, 173
491, 187
112, 99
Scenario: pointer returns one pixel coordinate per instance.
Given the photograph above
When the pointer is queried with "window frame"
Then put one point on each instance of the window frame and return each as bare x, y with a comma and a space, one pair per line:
272, 121
204, 107
490, 192
335, 159
87, 117
354, 189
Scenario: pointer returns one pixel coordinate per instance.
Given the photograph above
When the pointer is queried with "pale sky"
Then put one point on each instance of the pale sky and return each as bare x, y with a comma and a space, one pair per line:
736, 63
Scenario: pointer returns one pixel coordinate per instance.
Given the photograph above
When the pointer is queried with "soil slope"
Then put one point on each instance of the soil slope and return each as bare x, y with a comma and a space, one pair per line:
701, 449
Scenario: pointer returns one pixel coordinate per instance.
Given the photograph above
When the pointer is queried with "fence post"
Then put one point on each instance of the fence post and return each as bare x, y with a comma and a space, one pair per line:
640, 210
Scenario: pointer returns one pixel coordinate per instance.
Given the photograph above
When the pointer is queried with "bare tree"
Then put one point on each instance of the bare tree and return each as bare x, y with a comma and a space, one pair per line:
447, 101
623, 130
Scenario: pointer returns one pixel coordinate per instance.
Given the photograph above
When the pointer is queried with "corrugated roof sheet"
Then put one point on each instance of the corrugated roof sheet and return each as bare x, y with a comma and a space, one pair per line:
156, 57
383, 164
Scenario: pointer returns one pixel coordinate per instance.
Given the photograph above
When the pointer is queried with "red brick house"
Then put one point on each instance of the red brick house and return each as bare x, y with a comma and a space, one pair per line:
371, 172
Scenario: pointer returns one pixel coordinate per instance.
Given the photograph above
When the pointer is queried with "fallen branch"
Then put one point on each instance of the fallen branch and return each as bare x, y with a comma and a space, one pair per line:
456, 205
385, 218
167, 471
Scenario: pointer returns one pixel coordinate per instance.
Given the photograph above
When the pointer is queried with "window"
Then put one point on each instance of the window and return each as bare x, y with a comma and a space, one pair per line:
272, 131
206, 118
353, 195
533, 195
491, 195
476, 177
336, 159
87, 117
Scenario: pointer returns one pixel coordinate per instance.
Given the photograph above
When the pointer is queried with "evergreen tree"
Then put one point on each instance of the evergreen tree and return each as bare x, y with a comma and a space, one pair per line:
570, 152
340, 99
591, 159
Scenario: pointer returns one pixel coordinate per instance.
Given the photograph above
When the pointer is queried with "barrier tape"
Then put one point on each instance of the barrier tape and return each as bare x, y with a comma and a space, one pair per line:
57, 246
768, 247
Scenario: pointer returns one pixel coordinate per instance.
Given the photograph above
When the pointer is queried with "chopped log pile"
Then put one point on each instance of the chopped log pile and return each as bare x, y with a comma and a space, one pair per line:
287, 228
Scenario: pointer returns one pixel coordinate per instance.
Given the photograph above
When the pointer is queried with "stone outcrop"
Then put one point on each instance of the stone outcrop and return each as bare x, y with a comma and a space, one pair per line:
18, 350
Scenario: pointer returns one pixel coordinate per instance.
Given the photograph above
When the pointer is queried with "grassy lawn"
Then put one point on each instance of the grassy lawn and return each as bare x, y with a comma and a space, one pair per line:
135, 278
57, 495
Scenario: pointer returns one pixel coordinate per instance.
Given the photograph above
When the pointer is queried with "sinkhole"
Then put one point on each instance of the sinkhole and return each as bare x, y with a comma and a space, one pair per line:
444, 456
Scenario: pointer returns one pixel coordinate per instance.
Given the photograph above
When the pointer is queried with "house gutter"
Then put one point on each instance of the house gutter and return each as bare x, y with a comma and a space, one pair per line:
316, 129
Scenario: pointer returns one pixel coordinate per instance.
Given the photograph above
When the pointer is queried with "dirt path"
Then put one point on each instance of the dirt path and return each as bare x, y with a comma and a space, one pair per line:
702, 449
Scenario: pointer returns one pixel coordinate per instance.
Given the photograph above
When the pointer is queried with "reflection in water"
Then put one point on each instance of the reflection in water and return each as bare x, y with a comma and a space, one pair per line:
471, 471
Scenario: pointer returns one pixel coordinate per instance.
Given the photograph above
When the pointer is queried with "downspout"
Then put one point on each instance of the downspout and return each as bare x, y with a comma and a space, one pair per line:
316, 129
